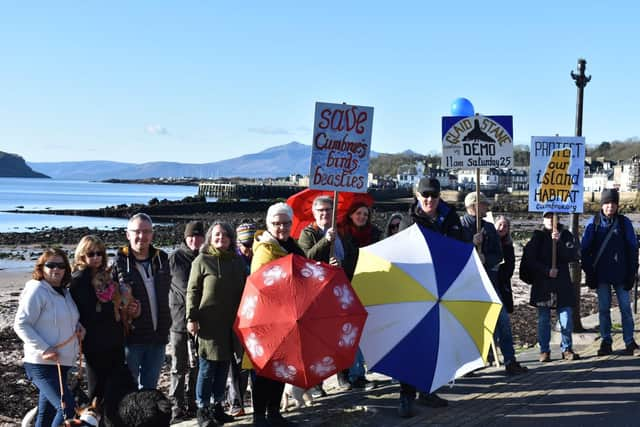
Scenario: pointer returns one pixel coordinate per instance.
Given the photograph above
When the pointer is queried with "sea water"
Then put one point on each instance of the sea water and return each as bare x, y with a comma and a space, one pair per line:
50, 194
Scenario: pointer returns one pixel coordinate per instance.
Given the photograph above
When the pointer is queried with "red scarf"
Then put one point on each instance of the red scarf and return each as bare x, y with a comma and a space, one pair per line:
361, 235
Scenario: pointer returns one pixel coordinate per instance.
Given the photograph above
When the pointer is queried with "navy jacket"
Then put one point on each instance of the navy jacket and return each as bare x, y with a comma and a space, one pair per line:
618, 264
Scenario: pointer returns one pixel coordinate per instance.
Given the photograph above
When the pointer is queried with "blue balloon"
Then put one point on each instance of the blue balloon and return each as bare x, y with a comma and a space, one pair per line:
462, 107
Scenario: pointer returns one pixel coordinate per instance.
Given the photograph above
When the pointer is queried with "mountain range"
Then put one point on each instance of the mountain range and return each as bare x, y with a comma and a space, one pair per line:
278, 161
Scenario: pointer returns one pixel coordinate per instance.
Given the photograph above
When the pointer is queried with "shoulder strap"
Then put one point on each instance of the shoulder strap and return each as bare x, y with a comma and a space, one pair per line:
603, 245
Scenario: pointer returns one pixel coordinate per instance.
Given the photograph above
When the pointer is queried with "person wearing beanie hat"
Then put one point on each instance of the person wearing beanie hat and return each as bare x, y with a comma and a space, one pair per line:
183, 376
487, 242
194, 228
239, 377
610, 262
245, 233
551, 285
609, 195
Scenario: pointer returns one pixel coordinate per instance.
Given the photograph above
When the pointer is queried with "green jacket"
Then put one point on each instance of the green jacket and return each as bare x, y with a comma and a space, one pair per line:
214, 290
317, 247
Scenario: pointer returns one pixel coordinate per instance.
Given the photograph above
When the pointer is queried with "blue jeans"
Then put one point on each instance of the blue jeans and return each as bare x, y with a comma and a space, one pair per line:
45, 377
544, 328
503, 335
604, 313
357, 370
144, 362
212, 379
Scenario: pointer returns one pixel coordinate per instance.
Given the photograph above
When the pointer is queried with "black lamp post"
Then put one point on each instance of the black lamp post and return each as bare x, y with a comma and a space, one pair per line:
581, 81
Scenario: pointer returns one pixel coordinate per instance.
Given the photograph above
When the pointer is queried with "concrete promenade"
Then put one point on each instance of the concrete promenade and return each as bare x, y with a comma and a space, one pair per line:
593, 391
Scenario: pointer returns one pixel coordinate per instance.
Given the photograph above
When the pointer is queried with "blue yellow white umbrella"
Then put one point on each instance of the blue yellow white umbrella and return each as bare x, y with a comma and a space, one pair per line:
432, 308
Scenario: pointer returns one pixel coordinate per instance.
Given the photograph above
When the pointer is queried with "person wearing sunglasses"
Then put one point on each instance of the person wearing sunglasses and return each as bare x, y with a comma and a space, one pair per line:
432, 213
104, 344
394, 224
270, 244
47, 322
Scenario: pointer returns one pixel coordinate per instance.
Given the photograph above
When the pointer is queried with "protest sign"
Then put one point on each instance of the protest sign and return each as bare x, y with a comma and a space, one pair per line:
556, 174
341, 147
477, 142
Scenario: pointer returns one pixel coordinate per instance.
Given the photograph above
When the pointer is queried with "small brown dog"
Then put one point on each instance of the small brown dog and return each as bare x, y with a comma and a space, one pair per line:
120, 293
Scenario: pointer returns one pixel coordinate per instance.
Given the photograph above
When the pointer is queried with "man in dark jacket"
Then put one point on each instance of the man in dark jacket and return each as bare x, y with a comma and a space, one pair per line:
183, 398
145, 269
489, 248
610, 260
432, 213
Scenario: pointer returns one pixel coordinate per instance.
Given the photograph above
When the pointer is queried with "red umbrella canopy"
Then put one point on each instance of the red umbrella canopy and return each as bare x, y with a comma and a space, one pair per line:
299, 320
302, 202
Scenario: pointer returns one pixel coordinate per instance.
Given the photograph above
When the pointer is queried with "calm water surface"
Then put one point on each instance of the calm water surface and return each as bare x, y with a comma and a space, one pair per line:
44, 194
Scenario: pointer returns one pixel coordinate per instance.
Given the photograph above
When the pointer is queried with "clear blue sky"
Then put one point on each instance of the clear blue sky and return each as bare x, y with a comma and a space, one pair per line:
201, 81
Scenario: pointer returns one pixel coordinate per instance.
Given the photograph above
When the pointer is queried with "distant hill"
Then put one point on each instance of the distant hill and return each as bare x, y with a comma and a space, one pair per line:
14, 166
615, 150
282, 160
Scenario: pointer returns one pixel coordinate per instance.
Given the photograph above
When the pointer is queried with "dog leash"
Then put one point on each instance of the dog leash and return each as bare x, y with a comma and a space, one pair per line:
60, 380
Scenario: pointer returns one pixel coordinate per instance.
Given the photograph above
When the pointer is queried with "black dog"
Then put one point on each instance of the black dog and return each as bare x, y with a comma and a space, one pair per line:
126, 406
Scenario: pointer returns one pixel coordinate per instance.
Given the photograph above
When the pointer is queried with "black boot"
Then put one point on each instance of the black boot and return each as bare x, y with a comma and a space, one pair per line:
260, 421
205, 417
220, 416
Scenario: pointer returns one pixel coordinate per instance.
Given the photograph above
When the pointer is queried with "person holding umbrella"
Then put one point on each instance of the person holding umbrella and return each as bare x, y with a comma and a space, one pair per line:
214, 290
431, 212
552, 286
316, 239
271, 244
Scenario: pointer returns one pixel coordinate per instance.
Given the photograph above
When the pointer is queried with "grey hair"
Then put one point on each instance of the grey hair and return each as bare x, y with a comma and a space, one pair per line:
142, 217
508, 221
227, 228
278, 209
323, 199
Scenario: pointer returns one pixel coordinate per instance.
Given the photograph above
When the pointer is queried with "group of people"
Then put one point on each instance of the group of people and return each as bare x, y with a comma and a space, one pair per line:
122, 316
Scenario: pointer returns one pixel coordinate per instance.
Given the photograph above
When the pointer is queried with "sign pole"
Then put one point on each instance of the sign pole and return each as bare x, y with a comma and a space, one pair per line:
334, 216
581, 81
554, 242
478, 202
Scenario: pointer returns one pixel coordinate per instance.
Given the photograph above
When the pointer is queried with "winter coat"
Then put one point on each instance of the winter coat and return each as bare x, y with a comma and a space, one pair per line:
44, 319
267, 248
104, 333
142, 331
505, 272
180, 264
315, 245
537, 259
215, 287
446, 221
618, 264
491, 246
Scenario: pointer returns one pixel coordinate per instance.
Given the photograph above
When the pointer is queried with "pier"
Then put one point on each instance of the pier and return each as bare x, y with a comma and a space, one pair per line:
247, 191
